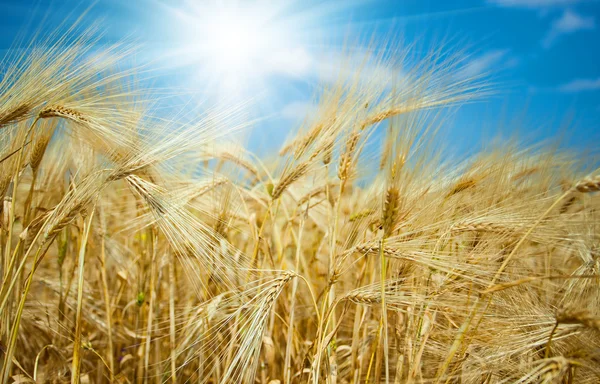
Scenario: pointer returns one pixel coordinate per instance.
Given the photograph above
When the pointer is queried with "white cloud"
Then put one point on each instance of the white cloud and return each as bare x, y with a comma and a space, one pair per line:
569, 22
579, 85
493, 61
293, 61
297, 110
532, 3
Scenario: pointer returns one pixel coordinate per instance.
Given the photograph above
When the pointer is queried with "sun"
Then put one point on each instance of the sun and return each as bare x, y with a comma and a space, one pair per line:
231, 42
264, 53
235, 45
235, 42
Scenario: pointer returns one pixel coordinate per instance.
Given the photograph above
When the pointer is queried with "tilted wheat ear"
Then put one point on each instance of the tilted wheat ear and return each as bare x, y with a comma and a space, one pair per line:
64, 112
591, 184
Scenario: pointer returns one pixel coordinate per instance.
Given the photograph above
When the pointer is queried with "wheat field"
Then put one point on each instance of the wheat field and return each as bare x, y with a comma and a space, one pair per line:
143, 248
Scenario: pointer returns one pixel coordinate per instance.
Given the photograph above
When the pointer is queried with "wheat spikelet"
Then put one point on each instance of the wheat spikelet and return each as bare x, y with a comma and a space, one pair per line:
553, 370
591, 184
287, 148
361, 215
379, 117
63, 220
144, 190
244, 364
567, 204
461, 186
207, 188
301, 144
39, 147
386, 150
126, 168
347, 158
483, 227
363, 298
242, 163
411, 106
327, 153
14, 115
524, 173
315, 192
307, 141
277, 285
29, 234
73, 203
374, 249
391, 206
37, 152
578, 316
63, 112
288, 179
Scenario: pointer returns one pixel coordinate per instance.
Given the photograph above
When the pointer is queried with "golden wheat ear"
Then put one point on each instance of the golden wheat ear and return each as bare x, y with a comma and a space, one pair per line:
57, 68
591, 184
14, 115
578, 316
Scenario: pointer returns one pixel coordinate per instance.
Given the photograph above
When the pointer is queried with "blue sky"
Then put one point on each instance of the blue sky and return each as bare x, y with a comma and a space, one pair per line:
541, 55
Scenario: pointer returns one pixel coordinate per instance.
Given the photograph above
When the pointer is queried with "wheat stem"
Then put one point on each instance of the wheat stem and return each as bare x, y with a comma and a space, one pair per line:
290, 332
76, 364
384, 310
107, 305
154, 235
11, 218
12, 342
173, 354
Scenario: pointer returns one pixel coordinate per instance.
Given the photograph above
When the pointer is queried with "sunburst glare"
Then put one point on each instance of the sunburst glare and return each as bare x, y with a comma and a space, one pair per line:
236, 47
